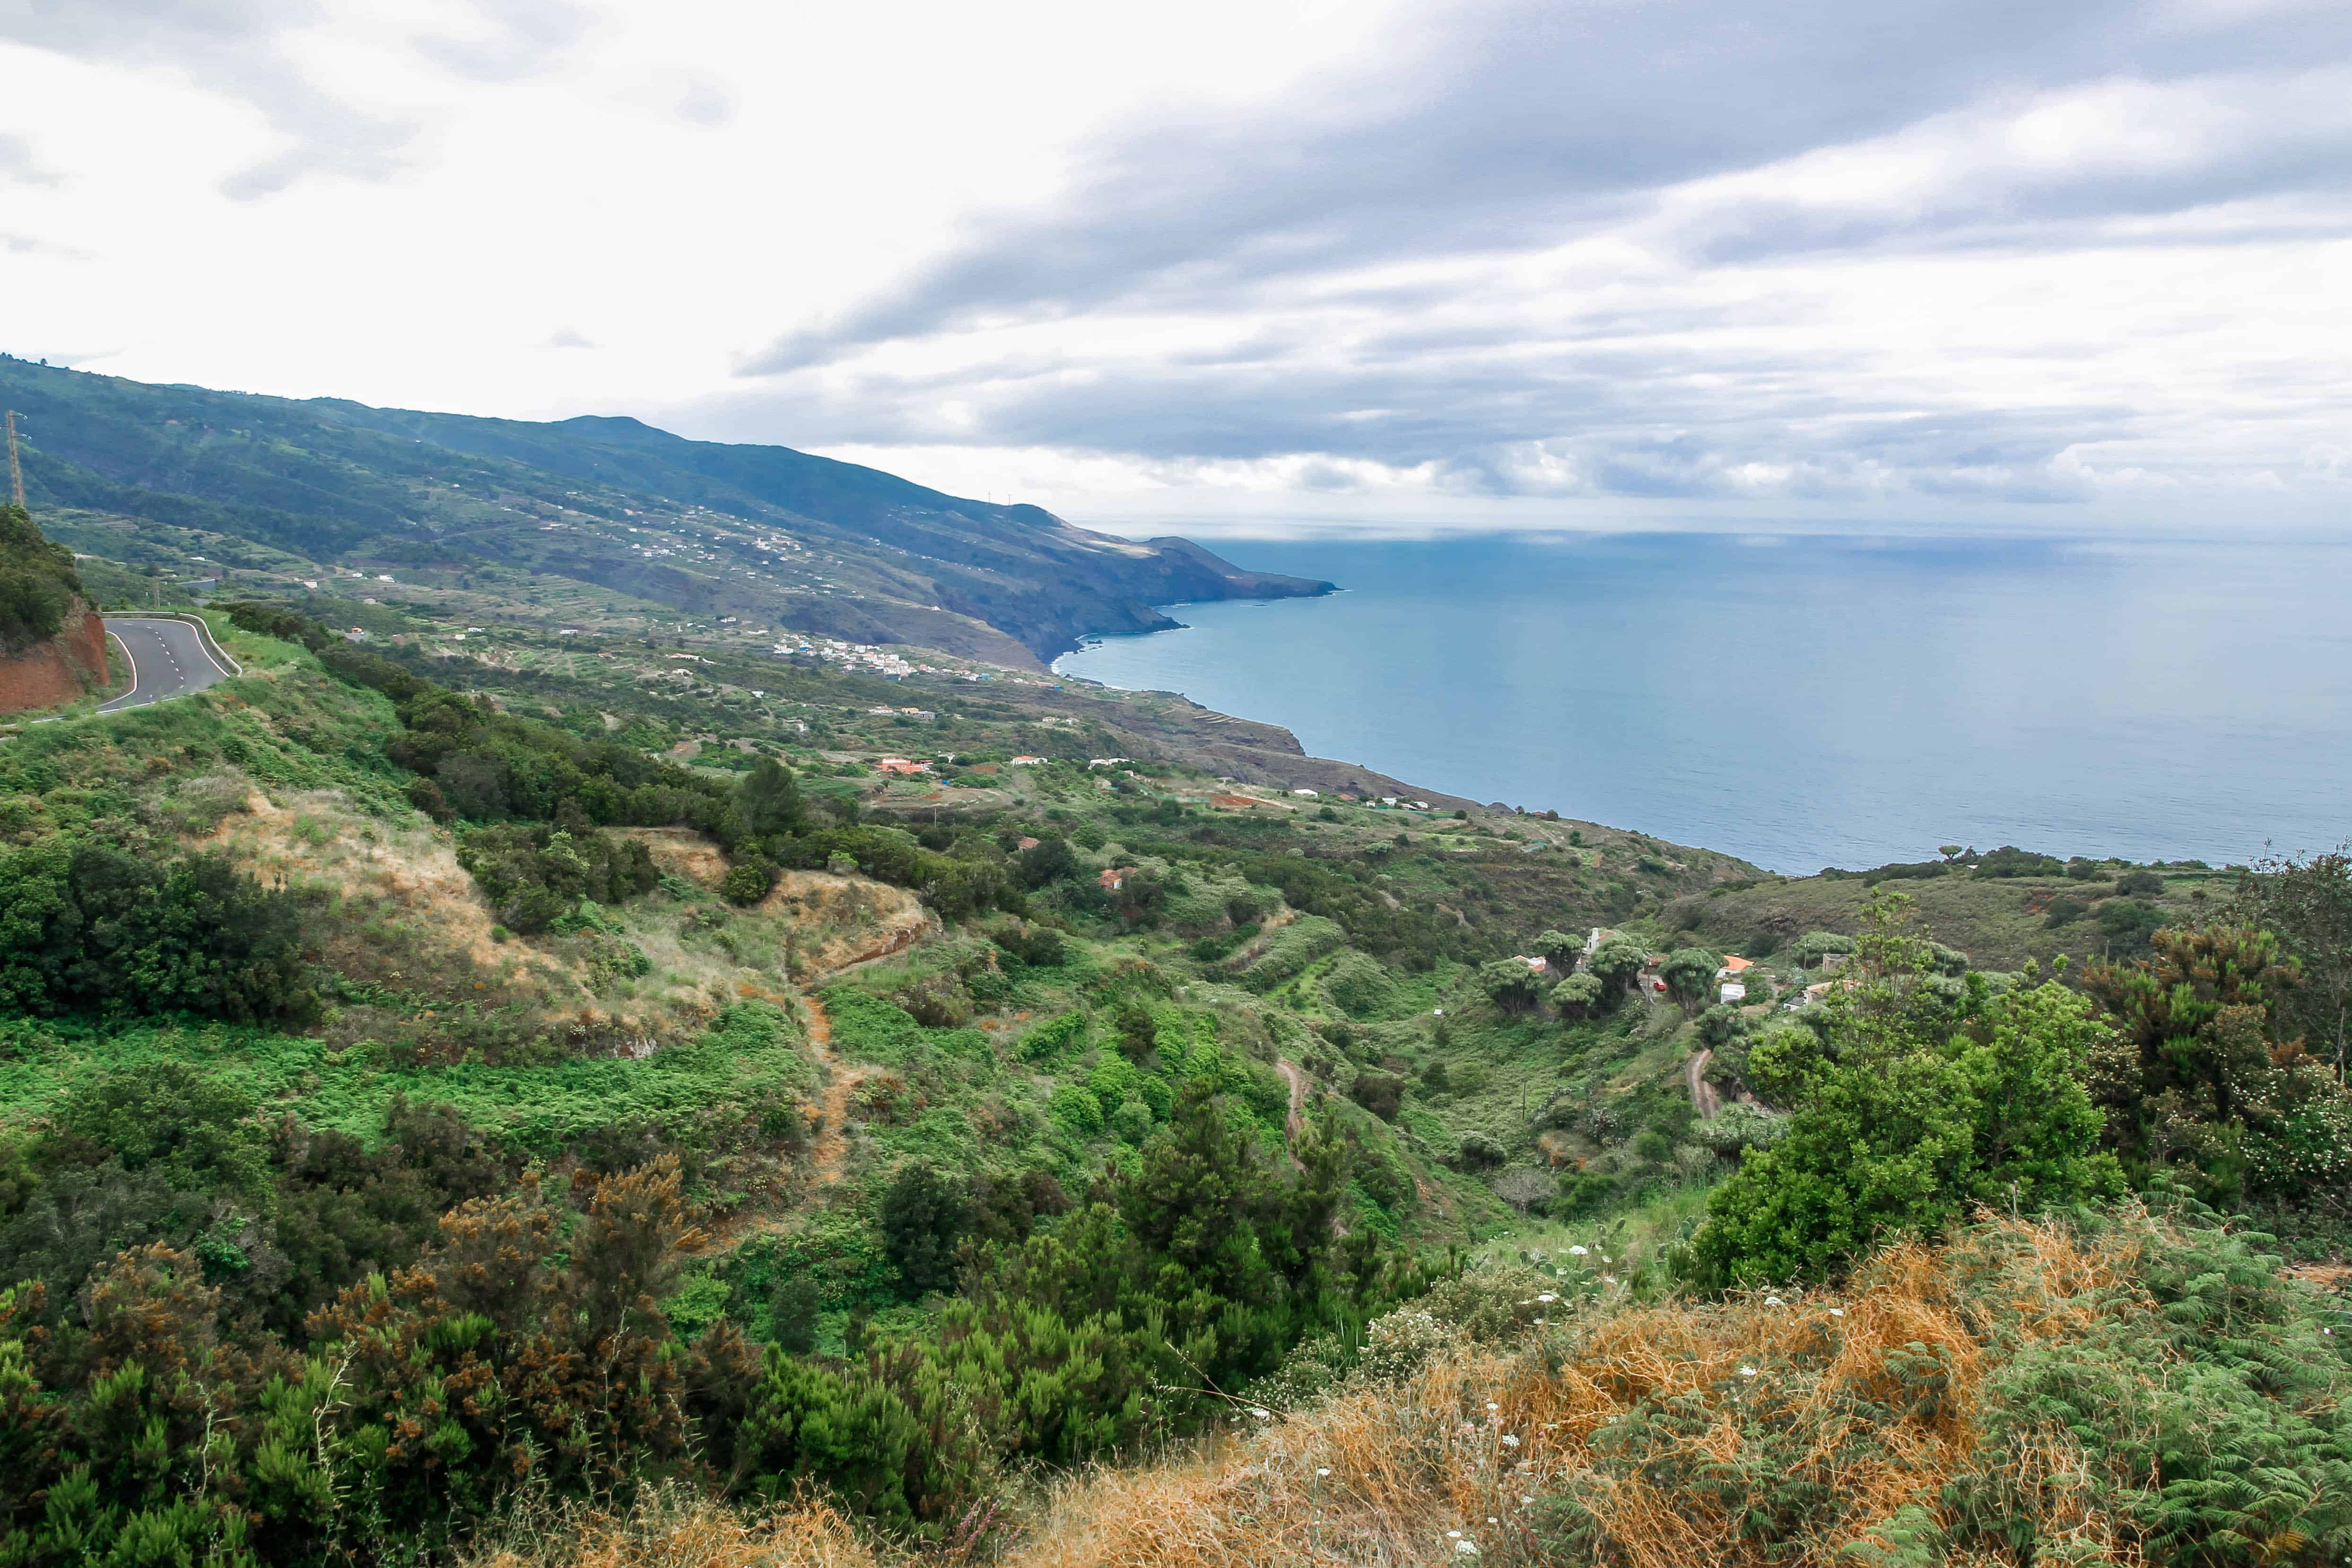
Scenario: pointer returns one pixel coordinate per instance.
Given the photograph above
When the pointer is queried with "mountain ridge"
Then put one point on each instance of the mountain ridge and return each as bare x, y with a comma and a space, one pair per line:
340, 481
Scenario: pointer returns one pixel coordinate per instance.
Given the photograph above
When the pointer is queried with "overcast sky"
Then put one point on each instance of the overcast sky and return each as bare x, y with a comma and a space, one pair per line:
2001, 264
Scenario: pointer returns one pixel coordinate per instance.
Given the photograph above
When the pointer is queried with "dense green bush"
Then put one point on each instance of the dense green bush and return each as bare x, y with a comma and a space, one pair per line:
1360, 984
37, 582
1907, 1110
532, 875
1615, 964
924, 1216
1510, 984
88, 927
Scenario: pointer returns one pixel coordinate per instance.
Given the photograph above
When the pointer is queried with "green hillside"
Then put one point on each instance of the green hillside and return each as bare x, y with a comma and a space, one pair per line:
451, 1074
38, 585
758, 534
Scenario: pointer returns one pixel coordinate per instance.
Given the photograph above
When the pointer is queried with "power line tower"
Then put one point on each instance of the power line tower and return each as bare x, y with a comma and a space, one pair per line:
15, 469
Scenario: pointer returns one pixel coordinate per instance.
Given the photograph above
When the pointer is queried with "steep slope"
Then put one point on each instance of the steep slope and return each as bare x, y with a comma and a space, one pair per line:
52, 648
756, 532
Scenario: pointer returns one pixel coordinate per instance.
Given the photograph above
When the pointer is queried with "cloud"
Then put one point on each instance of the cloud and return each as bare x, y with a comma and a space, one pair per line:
1526, 125
231, 47
1686, 249
705, 101
17, 164
568, 337
34, 245
244, 50
512, 39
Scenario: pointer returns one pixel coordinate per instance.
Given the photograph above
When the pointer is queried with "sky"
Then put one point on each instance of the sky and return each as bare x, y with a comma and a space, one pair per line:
1248, 266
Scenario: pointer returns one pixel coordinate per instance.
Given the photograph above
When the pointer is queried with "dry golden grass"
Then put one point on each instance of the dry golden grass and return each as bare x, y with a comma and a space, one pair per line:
1408, 1465
676, 1529
1507, 1445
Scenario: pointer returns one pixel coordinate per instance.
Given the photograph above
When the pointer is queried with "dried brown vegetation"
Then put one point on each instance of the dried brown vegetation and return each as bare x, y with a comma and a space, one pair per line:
1813, 1429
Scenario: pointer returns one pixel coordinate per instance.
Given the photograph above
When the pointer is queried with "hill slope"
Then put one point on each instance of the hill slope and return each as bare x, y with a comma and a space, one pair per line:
52, 648
823, 547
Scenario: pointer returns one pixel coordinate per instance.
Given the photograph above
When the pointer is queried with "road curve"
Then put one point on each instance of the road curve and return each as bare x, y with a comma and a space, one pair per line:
168, 659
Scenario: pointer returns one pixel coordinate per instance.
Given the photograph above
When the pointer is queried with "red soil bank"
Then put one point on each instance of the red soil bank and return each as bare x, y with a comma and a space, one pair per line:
58, 671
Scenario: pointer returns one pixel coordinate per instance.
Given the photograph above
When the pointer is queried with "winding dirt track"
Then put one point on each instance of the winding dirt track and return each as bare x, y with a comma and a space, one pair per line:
1293, 1124
1704, 1099
831, 1148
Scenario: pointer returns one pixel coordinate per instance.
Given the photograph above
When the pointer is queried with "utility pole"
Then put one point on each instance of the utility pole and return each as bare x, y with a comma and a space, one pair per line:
15, 470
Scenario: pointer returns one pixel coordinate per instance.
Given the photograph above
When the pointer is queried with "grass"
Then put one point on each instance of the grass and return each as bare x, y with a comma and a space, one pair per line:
1999, 922
752, 1058
2131, 1392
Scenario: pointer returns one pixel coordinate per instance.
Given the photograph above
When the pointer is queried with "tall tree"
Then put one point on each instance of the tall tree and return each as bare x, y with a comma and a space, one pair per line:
2308, 904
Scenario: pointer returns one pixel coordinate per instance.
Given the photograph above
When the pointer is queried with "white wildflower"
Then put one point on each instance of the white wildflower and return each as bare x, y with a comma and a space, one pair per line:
1747, 1372
1466, 1549
1261, 1413
1509, 1441
1453, 1535
1837, 1312
1773, 1301
1547, 1298
1576, 1252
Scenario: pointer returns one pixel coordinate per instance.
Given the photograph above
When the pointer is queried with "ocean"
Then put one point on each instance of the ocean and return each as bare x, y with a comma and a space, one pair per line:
1809, 701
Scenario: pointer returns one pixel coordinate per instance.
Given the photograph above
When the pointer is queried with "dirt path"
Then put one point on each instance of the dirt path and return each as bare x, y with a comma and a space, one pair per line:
1292, 1124
831, 1149
1704, 1097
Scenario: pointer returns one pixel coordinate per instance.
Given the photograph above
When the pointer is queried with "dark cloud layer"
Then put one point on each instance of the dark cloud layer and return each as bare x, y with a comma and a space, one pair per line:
1519, 123
1333, 231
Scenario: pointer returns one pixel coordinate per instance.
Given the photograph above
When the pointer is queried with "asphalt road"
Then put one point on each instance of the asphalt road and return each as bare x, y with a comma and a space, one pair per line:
168, 659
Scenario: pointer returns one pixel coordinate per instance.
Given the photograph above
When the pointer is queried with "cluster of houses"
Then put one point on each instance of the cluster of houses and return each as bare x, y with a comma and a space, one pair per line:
856, 655
1731, 980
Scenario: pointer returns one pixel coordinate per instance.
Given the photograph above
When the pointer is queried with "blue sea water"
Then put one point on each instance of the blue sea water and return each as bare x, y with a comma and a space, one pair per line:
1807, 702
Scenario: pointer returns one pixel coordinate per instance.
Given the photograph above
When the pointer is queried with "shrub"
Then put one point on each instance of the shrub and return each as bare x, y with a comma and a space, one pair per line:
37, 582
1901, 1120
1579, 995
1739, 1127
923, 1217
1132, 1120
1477, 1151
1816, 945
1689, 973
1382, 1093
1615, 962
793, 1309
1358, 985
1074, 1110
1559, 948
89, 926
749, 878
532, 875
1509, 984
1720, 1025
